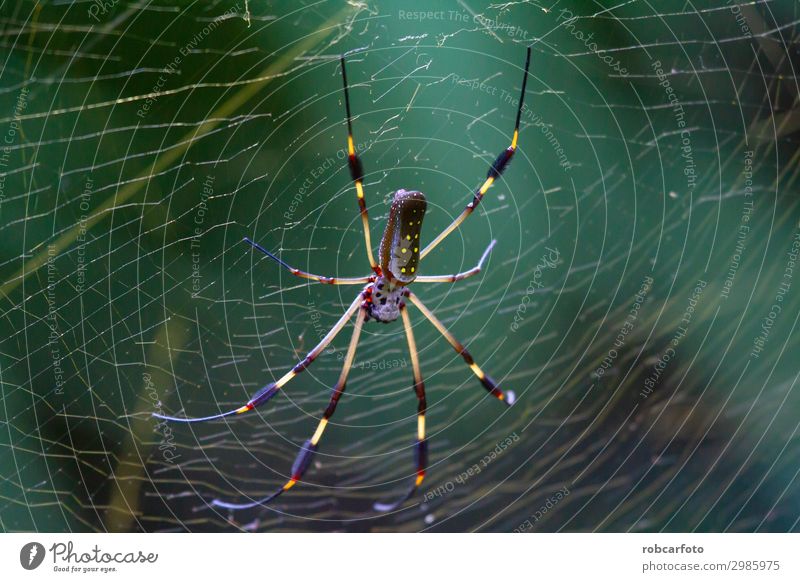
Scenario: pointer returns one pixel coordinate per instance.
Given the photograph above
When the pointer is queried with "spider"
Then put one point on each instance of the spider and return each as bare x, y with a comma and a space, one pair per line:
383, 299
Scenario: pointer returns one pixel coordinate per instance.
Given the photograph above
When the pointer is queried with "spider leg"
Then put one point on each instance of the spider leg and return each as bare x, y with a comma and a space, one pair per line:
305, 275
271, 389
508, 396
357, 171
421, 446
458, 276
494, 171
306, 454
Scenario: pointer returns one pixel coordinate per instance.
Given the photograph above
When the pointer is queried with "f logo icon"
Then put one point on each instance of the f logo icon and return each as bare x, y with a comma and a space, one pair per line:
31, 555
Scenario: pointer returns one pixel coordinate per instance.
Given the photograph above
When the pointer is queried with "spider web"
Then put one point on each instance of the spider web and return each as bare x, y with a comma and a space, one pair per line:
639, 301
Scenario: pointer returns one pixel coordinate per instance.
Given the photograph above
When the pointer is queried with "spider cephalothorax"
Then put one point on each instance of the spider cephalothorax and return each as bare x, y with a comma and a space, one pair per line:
383, 298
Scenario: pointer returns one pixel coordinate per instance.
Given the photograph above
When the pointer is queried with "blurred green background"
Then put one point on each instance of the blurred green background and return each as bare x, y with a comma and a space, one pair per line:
141, 141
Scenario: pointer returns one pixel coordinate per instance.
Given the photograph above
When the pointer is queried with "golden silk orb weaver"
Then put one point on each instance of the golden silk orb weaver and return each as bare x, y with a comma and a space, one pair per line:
383, 299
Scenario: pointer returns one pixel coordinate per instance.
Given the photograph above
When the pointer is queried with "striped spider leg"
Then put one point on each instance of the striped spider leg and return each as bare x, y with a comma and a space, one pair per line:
495, 170
382, 299
309, 447
421, 445
267, 392
357, 171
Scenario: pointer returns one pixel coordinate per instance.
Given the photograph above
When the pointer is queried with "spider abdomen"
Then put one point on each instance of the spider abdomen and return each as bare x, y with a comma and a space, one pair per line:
399, 251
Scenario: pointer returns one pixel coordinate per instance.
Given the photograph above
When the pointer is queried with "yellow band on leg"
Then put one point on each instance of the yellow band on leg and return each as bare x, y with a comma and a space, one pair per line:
478, 372
286, 377
320, 429
486, 185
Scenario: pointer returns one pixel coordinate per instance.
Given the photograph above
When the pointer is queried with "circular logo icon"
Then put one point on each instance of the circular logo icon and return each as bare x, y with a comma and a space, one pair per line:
31, 555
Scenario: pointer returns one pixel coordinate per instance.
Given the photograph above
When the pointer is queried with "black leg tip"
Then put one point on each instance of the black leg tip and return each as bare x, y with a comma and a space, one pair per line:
381, 507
